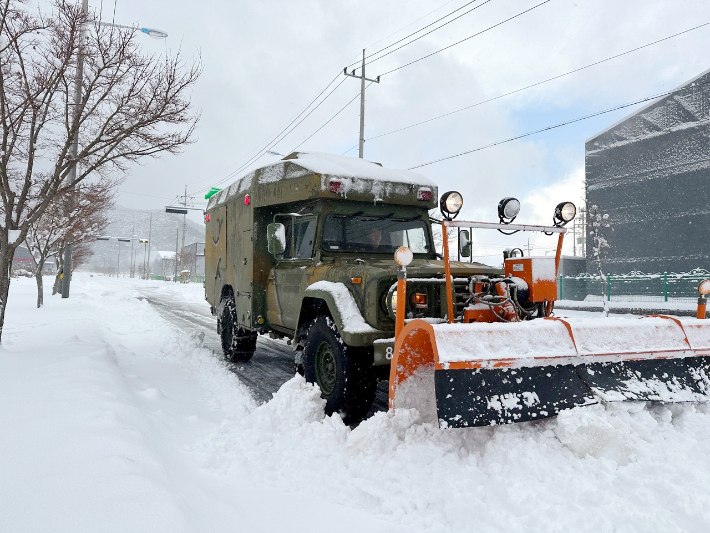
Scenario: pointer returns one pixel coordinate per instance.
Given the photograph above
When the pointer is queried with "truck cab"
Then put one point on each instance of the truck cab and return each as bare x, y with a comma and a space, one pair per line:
304, 249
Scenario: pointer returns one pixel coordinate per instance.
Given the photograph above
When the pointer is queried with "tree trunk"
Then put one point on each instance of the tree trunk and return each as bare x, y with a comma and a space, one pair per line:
6, 256
40, 284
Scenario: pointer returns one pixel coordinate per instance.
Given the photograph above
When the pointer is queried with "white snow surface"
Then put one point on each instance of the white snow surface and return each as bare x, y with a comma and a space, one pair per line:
113, 420
353, 167
548, 338
353, 322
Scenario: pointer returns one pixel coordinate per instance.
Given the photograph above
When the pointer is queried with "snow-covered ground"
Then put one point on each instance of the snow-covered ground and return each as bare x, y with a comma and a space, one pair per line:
113, 420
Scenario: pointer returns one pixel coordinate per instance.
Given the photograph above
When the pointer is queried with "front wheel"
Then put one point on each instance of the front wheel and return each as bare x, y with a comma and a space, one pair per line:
343, 373
238, 344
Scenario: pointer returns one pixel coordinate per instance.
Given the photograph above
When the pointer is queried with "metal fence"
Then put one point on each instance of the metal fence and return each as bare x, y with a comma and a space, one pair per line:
666, 287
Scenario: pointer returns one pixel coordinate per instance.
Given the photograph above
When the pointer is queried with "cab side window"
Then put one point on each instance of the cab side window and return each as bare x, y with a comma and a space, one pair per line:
300, 236
304, 236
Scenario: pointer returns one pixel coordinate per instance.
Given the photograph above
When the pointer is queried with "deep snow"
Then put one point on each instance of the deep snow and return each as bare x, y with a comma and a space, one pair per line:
112, 420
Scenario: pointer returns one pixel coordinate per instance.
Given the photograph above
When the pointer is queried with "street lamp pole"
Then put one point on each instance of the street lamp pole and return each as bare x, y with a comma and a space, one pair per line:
74, 148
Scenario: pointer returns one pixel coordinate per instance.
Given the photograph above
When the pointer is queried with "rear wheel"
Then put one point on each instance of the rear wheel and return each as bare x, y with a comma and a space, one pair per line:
343, 373
238, 344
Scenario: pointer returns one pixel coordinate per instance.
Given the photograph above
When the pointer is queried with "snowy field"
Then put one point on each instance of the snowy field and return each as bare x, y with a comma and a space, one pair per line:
111, 419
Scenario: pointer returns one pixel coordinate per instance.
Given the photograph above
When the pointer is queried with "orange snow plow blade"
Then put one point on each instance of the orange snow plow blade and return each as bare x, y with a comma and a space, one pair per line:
498, 373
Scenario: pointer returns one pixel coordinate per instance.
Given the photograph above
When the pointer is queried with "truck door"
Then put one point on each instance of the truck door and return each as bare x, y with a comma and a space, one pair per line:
241, 258
292, 273
216, 255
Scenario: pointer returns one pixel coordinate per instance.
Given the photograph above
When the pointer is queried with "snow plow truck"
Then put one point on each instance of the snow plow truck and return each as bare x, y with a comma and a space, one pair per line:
337, 255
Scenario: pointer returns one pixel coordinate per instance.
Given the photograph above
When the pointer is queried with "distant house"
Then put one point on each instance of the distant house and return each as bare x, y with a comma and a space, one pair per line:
195, 255
23, 259
163, 263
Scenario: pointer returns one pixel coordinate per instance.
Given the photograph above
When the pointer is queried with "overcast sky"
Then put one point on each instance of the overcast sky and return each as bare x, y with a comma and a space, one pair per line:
265, 60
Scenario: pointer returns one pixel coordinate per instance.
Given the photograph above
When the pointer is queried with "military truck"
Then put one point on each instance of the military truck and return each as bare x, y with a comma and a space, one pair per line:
303, 249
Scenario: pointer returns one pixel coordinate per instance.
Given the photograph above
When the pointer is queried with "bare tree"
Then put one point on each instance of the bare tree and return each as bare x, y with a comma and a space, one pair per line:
58, 225
132, 105
598, 224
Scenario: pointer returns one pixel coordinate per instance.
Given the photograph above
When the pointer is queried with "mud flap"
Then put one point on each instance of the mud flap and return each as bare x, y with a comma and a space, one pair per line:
492, 396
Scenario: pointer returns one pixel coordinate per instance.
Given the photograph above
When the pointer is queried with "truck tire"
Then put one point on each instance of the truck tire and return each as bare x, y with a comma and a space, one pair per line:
343, 373
238, 344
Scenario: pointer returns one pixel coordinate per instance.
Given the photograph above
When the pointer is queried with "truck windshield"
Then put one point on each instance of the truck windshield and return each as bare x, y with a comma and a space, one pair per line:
345, 233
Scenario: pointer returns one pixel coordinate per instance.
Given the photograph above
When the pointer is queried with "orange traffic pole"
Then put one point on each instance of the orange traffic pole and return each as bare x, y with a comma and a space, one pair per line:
447, 270
401, 301
702, 307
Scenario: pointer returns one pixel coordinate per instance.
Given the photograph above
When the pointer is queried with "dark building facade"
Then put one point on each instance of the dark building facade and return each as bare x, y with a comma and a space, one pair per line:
650, 172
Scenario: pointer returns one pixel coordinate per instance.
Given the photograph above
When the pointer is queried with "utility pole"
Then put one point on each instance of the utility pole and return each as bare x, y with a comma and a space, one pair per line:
74, 148
150, 237
133, 262
177, 236
184, 219
362, 79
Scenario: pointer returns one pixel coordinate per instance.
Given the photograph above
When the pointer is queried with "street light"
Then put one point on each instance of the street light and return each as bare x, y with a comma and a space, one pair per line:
150, 32
74, 148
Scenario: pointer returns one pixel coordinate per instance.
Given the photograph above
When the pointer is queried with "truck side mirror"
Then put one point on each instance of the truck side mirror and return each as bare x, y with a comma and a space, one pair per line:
276, 238
464, 243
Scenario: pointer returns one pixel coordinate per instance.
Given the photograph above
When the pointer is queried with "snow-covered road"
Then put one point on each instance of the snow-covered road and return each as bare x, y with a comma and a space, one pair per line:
112, 418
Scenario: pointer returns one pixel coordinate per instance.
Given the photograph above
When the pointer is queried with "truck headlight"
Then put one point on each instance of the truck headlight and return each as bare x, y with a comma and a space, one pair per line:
450, 204
564, 212
508, 209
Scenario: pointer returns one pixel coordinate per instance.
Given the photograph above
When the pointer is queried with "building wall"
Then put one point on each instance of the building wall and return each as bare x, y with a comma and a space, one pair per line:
651, 174
197, 251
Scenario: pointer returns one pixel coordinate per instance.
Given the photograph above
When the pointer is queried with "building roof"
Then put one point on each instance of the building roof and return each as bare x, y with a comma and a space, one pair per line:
653, 103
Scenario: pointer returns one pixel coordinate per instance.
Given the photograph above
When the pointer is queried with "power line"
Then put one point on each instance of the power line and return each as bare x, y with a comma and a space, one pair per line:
142, 194
331, 118
427, 33
422, 29
411, 24
559, 125
265, 146
466, 39
532, 85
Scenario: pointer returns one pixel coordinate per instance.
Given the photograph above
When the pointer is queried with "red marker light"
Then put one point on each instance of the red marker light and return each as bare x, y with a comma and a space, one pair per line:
335, 186
247, 200
424, 195
207, 217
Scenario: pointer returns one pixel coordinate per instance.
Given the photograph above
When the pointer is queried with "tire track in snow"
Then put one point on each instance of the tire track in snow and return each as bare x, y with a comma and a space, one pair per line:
272, 364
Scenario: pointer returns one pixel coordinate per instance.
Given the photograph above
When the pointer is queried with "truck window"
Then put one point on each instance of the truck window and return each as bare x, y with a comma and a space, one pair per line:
343, 233
302, 234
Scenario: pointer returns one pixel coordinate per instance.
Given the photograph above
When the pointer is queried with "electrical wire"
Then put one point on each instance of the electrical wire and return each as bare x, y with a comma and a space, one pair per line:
555, 126
537, 83
274, 143
466, 38
410, 24
263, 147
422, 29
430, 32
331, 118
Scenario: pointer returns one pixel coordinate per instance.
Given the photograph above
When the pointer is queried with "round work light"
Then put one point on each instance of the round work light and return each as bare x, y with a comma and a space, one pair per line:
450, 204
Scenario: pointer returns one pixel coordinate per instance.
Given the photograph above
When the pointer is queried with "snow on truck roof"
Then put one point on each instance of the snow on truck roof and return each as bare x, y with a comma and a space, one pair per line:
358, 180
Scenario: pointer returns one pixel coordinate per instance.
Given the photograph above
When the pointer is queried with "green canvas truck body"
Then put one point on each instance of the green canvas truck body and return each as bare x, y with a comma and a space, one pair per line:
327, 274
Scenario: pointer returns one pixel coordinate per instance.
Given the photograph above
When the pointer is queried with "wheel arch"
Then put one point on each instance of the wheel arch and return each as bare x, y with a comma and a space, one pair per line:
322, 302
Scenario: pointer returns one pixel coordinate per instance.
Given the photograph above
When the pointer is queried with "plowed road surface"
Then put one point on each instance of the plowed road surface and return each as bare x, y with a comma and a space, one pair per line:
272, 364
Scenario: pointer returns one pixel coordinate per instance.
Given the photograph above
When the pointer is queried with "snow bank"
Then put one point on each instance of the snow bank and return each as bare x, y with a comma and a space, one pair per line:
111, 420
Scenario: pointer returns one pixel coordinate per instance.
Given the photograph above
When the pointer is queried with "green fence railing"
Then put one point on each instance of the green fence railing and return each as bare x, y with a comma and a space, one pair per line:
666, 287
